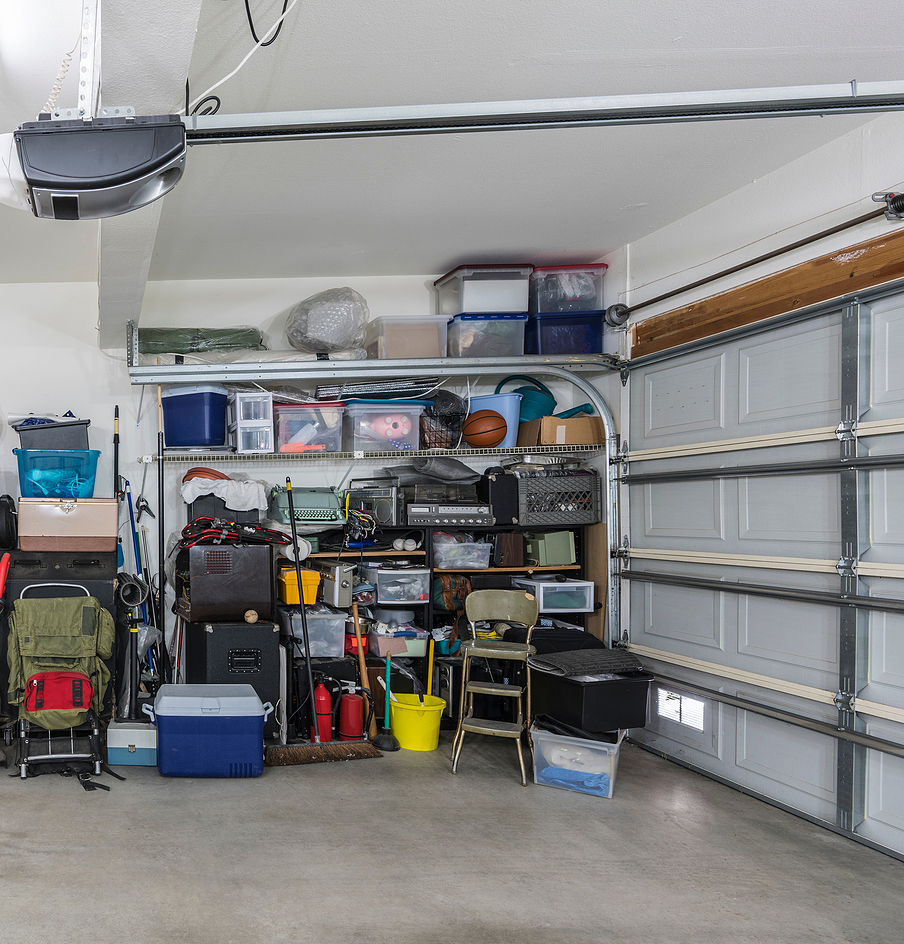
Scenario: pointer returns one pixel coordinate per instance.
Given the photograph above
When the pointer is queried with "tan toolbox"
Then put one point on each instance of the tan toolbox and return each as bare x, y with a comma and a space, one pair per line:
62, 524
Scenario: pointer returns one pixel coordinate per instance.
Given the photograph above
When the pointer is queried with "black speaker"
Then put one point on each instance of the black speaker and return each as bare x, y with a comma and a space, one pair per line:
233, 654
500, 490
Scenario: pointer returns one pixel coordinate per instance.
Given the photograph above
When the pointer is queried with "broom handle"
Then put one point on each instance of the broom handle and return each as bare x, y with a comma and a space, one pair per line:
304, 619
362, 670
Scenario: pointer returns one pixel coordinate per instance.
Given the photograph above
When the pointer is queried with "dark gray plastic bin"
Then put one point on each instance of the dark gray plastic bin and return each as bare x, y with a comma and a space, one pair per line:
68, 434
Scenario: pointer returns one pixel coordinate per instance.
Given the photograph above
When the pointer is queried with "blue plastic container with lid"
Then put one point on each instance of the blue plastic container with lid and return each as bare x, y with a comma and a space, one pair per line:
209, 730
194, 414
57, 473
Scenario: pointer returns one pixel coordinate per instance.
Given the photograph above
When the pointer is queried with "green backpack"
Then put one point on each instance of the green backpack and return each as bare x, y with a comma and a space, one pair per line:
53, 637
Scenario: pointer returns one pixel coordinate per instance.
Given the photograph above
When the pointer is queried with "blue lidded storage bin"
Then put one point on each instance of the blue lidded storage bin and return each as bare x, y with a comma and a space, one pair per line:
209, 730
194, 415
57, 473
567, 332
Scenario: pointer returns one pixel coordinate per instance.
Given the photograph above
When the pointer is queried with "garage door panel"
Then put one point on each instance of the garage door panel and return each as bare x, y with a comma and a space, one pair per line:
680, 614
699, 735
797, 515
887, 515
883, 819
796, 636
685, 510
794, 765
886, 659
684, 399
796, 376
887, 356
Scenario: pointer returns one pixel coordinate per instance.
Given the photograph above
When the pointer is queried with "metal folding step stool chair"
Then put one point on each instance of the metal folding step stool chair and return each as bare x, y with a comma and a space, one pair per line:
493, 606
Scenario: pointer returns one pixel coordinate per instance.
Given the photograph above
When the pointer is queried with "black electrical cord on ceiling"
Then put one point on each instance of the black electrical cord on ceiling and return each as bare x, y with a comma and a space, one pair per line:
254, 35
212, 109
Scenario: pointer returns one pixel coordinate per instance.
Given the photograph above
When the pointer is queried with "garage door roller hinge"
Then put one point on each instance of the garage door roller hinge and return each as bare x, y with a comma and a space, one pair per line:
847, 567
844, 701
846, 431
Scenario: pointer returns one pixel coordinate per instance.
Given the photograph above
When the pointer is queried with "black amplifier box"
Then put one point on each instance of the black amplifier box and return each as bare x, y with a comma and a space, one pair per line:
236, 653
224, 581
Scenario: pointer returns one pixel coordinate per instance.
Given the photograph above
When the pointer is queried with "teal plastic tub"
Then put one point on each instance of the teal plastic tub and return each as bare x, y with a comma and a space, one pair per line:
57, 473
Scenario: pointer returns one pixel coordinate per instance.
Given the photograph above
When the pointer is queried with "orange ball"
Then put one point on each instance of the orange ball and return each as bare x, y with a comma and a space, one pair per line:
484, 429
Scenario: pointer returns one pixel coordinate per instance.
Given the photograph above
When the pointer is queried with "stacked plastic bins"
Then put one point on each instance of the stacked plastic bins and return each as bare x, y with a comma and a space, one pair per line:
565, 310
249, 417
487, 309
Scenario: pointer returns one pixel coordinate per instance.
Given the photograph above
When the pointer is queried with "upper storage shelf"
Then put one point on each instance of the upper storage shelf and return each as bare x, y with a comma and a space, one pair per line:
317, 371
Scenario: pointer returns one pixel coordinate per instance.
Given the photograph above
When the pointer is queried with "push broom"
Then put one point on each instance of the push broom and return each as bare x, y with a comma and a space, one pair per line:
290, 755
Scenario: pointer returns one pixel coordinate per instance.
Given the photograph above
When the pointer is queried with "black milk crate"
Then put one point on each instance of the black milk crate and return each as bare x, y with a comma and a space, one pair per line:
572, 498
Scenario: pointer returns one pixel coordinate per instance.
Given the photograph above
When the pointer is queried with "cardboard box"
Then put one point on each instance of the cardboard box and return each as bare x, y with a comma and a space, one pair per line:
59, 524
552, 431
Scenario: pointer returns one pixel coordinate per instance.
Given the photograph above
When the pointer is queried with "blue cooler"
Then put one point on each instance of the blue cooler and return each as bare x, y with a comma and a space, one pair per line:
194, 414
209, 730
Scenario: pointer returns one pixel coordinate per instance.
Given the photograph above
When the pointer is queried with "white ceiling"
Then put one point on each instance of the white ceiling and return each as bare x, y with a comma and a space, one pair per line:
423, 204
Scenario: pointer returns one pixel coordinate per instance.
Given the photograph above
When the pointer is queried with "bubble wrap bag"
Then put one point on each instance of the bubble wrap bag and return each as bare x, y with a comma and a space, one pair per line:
329, 321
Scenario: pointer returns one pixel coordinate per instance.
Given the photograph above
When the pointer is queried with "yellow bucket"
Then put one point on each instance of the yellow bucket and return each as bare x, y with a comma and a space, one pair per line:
416, 726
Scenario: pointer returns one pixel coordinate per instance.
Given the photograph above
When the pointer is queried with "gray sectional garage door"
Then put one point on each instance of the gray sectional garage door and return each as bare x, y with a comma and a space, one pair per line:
770, 466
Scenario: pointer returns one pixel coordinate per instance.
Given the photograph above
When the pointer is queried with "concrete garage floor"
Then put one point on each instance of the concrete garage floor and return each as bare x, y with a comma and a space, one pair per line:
398, 850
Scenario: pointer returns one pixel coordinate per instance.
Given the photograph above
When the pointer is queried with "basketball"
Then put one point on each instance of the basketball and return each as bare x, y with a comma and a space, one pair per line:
484, 429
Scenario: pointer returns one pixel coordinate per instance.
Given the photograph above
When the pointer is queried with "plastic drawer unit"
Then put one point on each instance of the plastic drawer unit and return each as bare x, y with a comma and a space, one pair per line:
556, 594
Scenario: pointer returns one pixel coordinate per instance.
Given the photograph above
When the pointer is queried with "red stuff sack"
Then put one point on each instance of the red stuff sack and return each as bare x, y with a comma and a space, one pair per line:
58, 691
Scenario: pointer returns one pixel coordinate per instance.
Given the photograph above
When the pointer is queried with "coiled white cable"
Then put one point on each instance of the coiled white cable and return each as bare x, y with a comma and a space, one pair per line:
58, 84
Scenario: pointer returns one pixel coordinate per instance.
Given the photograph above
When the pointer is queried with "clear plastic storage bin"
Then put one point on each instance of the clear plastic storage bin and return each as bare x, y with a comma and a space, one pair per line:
556, 595
406, 336
57, 473
577, 764
567, 288
382, 425
399, 584
249, 418
461, 556
326, 629
309, 427
500, 288
493, 335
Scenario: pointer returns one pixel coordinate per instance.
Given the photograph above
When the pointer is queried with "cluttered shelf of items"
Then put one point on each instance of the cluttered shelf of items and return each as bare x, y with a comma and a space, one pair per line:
342, 609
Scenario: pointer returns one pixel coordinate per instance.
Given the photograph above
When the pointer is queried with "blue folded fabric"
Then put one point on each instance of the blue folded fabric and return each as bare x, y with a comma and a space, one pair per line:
596, 783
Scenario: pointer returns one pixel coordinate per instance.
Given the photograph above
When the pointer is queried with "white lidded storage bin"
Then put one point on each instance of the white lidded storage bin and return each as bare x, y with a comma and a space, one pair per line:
382, 425
558, 595
392, 336
483, 288
578, 764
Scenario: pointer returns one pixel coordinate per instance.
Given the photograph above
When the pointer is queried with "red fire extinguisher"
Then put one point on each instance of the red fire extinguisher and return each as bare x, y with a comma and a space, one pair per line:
351, 714
323, 711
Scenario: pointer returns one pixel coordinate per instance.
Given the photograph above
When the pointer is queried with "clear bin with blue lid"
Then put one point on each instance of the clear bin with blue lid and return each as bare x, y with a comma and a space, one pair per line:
57, 473
382, 425
486, 335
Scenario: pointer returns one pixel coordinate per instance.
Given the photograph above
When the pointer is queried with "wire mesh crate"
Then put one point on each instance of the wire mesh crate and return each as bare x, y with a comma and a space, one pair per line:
572, 498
